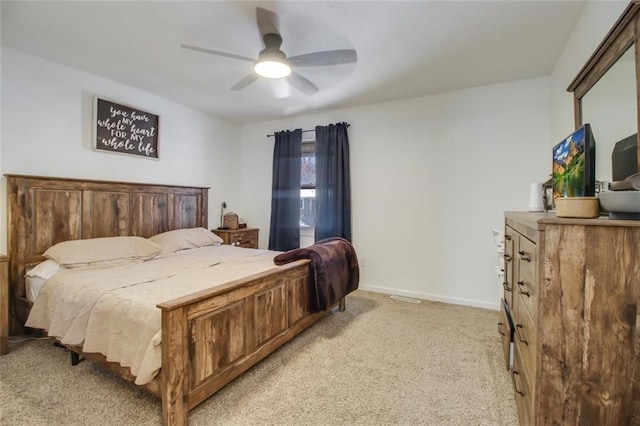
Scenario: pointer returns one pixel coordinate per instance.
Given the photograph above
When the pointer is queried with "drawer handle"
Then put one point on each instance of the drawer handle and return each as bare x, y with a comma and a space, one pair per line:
500, 329
507, 258
524, 256
507, 237
506, 287
518, 334
515, 388
526, 293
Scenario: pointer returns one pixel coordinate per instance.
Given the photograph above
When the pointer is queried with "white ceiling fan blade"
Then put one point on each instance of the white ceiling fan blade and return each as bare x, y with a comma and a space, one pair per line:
326, 57
301, 83
244, 82
217, 53
267, 22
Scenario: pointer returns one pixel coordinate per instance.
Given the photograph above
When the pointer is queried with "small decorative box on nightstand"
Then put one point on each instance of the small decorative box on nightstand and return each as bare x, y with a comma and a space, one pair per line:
230, 221
243, 237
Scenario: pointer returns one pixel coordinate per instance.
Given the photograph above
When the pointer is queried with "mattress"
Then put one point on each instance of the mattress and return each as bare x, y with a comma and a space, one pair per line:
112, 310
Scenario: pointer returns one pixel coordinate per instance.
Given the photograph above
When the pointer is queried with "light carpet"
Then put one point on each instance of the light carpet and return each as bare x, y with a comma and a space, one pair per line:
381, 362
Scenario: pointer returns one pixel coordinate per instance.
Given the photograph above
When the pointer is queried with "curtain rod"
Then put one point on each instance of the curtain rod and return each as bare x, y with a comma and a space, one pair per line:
304, 131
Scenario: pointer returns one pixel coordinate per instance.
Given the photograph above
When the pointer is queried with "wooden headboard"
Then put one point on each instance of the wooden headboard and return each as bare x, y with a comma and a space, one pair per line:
43, 211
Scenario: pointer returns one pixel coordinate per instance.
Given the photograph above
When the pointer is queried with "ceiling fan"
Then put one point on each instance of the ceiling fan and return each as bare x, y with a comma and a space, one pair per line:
273, 63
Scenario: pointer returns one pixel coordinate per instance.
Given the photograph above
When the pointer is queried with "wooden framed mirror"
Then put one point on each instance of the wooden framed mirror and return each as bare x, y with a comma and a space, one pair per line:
606, 90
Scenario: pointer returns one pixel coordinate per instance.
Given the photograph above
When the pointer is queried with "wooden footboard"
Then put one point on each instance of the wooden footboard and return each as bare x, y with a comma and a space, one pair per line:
210, 338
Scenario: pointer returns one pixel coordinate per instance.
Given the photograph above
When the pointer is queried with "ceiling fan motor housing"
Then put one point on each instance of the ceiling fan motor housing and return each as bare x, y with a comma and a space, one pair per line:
272, 43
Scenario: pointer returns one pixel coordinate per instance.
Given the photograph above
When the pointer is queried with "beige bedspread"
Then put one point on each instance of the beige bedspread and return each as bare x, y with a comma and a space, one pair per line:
112, 310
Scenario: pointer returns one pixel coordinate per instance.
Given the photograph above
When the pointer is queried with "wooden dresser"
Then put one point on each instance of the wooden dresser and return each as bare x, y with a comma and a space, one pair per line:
242, 237
4, 304
572, 289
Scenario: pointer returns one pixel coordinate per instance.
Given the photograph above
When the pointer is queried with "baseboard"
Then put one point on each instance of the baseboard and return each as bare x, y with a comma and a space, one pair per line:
431, 297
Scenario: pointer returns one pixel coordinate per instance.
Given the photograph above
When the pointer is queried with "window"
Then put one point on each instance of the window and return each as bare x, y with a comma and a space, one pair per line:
308, 186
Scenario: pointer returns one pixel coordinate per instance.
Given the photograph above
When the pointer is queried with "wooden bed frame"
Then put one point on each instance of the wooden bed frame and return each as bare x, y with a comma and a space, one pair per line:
208, 338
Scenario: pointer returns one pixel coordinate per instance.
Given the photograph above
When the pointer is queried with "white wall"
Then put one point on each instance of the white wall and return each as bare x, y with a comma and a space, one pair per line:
46, 131
3, 196
431, 177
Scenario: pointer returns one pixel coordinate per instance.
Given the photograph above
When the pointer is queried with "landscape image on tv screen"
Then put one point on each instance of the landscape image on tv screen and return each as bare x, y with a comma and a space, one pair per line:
569, 166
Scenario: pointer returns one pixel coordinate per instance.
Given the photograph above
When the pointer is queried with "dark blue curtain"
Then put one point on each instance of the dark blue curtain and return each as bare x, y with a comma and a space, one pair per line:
284, 233
333, 183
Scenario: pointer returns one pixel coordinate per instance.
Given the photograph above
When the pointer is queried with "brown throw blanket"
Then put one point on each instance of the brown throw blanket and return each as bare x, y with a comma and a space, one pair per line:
333, 273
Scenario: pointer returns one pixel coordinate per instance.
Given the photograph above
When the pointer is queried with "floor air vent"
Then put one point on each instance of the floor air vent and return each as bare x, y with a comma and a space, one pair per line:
405, 299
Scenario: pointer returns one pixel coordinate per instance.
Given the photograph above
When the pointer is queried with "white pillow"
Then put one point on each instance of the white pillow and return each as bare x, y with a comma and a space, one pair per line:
102, 251
44, 270
182, 239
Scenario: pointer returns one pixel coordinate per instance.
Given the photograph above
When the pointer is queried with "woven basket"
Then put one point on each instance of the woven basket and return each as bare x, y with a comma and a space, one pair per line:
581, 207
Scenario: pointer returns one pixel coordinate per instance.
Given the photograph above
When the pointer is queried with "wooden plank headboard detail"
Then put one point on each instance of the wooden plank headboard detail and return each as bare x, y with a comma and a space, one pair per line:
43, 211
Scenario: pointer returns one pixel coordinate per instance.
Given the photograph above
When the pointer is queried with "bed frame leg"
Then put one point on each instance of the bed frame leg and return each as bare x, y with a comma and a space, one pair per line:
175, 374
75, 358
341, 305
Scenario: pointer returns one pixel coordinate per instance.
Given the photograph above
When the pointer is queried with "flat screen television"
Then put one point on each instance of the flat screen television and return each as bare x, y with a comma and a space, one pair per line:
574, 165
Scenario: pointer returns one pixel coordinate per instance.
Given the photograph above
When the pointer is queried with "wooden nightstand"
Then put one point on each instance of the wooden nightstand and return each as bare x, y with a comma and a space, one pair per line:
243, 237
4, 304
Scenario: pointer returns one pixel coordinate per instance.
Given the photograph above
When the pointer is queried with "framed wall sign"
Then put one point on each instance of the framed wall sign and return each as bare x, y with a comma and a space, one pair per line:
124, 129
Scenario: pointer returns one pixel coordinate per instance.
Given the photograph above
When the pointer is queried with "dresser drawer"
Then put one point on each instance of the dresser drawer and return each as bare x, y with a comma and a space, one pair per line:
246, 237
510, 237
526, 288
523, 390
525, 339
506, 333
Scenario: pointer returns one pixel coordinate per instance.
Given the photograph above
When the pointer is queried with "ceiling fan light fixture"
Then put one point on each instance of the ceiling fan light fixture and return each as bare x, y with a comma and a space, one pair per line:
272, 68
272, 62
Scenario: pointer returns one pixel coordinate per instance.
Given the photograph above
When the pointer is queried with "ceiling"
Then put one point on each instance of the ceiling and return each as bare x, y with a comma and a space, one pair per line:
405, 49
